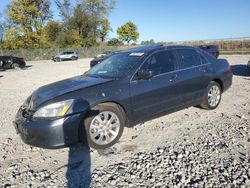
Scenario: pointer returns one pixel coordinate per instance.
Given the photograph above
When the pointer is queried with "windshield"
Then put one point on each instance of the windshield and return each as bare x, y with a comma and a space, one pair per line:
114, 66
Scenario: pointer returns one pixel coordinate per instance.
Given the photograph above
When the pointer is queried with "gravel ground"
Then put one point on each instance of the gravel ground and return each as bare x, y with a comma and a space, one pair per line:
192, 147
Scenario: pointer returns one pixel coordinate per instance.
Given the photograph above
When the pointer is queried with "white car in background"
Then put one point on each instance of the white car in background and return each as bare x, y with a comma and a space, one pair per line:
67, 55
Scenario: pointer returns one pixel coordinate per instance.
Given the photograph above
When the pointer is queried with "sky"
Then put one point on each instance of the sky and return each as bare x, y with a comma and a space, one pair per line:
179, 20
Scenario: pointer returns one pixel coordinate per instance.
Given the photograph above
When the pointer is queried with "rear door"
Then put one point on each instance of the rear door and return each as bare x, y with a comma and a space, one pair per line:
68, 55
193, 75
158, 94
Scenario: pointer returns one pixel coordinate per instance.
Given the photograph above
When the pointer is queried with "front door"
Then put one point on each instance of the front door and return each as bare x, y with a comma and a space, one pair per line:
160, 92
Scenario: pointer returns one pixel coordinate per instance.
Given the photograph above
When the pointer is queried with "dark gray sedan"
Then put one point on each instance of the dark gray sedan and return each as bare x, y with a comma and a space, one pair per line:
125, 89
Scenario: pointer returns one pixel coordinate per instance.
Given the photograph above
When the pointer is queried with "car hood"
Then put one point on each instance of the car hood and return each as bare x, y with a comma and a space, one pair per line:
50, 91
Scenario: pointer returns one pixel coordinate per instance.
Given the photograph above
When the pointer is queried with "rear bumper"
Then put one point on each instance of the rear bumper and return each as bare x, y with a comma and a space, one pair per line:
49, 134
248, 67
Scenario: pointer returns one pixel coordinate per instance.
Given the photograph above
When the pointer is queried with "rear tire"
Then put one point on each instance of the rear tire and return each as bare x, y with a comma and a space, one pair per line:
104, 125
15, 66
212, 96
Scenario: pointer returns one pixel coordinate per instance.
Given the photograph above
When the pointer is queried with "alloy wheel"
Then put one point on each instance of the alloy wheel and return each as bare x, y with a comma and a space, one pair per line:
214, 95
104, 128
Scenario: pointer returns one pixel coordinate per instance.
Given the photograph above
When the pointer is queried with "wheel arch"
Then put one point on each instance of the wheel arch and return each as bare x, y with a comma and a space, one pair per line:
217, 80
80, 133
115, 103
83, 132
13, 63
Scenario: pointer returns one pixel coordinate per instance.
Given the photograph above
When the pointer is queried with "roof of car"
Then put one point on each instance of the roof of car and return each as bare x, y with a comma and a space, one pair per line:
152, 48
69, 52
5, 56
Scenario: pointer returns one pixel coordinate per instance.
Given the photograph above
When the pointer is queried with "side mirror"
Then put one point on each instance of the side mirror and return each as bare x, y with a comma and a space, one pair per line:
144, 74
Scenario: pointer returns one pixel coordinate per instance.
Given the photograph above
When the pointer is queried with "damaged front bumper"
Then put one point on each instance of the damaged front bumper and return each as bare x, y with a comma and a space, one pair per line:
44, 133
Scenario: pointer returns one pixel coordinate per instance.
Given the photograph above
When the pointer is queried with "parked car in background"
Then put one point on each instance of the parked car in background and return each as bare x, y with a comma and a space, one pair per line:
127, 88
11, 62
100, 57
103, 54
212, 49
68, 55
248, 67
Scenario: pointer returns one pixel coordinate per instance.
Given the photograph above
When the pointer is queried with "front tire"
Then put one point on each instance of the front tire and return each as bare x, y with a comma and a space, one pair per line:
57, 59
212, 96
104, 125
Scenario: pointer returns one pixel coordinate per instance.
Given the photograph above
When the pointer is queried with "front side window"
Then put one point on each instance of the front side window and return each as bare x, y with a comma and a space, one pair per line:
188, 58
160, 63
115, 66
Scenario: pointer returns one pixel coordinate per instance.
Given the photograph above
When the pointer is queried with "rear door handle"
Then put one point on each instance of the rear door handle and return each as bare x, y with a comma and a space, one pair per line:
173, 78
203, 69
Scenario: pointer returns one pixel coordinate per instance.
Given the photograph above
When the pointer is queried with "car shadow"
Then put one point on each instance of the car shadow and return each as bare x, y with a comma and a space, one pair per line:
79, 162
26, 67
1, 76
79, 167
240, 70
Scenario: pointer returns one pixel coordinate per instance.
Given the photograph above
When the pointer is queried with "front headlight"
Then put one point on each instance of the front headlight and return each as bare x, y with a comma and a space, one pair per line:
58, 109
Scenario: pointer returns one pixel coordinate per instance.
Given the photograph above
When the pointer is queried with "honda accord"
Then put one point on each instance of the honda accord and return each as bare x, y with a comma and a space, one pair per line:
125, 89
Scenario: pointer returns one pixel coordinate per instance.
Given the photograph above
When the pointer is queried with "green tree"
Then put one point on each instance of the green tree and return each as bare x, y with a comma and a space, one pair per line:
52, 29
88, 19
28, 18
12, 39
97, 12
104, 29
128, 32
29, 15
65, 8
69, 39
147, 42
114, 42
79, 22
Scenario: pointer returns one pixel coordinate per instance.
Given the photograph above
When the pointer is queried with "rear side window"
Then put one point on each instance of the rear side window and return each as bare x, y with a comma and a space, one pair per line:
188, 58
160, 62
203, 60
209, 57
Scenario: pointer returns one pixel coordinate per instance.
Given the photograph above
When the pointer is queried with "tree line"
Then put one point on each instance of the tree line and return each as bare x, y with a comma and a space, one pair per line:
30, 24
